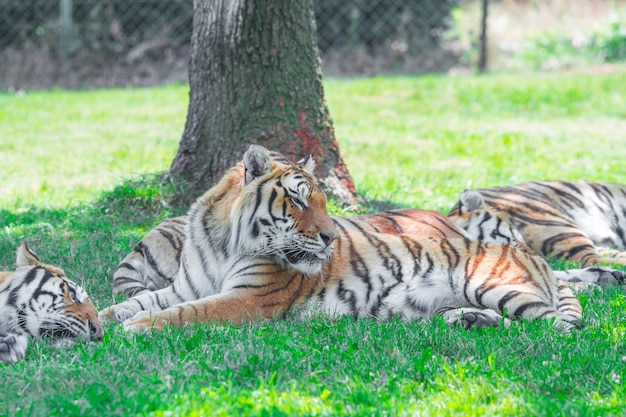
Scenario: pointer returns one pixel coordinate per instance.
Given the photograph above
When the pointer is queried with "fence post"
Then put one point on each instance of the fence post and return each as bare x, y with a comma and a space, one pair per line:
65, 32
482, 59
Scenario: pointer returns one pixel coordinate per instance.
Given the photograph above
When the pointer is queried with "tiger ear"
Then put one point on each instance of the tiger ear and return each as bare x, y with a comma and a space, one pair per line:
471, 200
25, 256
307, 163
257, 162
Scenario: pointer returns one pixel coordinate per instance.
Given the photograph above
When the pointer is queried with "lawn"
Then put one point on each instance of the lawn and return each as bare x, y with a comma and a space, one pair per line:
73, 185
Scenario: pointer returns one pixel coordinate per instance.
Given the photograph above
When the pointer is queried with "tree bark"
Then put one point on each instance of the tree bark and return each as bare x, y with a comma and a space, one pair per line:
255, 77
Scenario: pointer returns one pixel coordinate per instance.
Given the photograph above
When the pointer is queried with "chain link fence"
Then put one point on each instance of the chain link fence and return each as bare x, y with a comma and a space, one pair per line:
366, 37
91, 43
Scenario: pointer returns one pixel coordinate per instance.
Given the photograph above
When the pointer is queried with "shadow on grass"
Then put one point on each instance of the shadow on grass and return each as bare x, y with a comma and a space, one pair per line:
126, 212
374, 203
89, 240
135, 201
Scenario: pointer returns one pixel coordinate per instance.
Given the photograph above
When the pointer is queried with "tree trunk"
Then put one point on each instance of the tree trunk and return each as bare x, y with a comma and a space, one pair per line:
482, 58
255, 77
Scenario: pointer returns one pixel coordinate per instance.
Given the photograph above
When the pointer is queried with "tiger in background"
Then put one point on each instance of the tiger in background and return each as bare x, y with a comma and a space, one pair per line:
580, 221
482, 224
261, 242
38, 300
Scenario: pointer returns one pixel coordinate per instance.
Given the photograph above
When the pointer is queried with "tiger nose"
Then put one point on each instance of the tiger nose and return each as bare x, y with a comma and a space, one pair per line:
95, 329
328, 237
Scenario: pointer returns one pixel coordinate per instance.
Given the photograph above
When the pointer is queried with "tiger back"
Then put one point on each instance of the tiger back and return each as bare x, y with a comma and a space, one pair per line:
38, 300
261, 242
579, 221
480, 223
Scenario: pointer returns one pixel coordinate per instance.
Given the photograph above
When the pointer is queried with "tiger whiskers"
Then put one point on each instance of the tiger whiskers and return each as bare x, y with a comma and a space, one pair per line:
13, 324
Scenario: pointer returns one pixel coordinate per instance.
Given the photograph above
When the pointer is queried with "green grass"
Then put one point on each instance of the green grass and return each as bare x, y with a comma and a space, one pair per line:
59, 148
71, 184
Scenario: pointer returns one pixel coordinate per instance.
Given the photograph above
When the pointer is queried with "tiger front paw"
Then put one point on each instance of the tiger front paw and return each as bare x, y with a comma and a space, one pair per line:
474, 318
603, 276
614, 277
480, 319
117, 313
12, 347
145, 321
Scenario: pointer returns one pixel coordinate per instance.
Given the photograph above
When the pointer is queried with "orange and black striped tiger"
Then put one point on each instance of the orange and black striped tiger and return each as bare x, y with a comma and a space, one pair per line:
480, 223
576, 220
261, 242
154, 261
39, 300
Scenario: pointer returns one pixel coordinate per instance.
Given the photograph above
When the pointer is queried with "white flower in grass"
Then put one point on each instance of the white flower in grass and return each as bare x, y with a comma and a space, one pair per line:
615, 377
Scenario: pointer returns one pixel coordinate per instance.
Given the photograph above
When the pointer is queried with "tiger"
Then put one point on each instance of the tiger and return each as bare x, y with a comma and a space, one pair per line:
482, 224
261, 243
580, 221
153, 263
38, 300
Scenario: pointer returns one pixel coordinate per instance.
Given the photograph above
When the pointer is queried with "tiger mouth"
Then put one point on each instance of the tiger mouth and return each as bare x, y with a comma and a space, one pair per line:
59, 333
299, 256
65, 333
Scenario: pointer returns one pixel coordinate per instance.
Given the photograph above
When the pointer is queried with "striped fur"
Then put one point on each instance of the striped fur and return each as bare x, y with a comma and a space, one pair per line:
262, 242
580, 221
482, 224
39, 300
154, 262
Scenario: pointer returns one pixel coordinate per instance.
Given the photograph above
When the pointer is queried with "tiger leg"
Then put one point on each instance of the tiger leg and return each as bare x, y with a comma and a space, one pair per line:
569, 310
528, 302
150, 301
128, 277
612, 256
566, 315
154, 261
12, 347
145, 270
234, 306
592, 275
468, 317
566, 243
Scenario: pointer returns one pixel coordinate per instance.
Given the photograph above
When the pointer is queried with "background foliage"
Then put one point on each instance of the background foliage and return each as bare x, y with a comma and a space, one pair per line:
98, 43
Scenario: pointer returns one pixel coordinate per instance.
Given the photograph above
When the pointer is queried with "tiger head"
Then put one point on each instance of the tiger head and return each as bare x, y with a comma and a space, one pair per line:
281, 212
471, 215
39, 300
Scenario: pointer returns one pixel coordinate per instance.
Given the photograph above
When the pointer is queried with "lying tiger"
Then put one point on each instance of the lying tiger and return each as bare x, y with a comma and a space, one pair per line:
39, 300
481, 223
579, 221
261, 242
154, 261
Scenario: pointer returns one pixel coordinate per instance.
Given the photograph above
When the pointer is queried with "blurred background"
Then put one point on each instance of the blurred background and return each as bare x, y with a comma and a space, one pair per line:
94, 43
